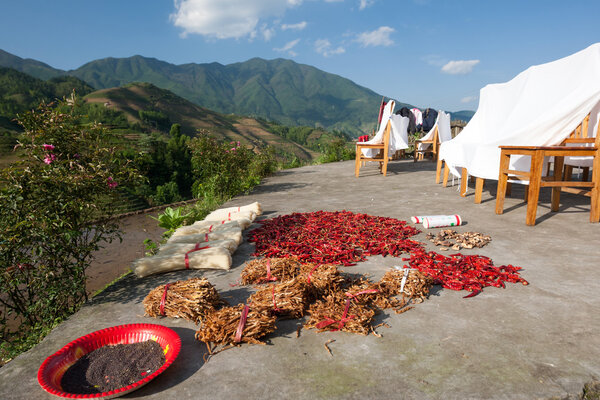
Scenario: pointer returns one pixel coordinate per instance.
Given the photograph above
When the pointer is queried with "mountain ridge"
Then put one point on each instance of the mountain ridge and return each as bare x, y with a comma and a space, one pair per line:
280, 89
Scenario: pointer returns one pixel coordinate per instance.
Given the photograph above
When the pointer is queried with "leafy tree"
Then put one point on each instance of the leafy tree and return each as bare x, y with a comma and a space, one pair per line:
56, 204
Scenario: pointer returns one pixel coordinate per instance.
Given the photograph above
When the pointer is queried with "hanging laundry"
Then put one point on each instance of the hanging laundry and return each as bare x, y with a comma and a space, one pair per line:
429, 118
405, 112
418, 117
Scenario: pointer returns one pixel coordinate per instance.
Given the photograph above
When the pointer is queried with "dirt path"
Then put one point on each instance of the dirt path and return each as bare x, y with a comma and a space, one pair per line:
115, 258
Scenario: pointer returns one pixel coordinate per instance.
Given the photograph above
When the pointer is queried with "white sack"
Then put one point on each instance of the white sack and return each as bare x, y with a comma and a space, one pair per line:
182, 248
249, 215
210, 226
213, 258
231, 233
222, 213
539, 107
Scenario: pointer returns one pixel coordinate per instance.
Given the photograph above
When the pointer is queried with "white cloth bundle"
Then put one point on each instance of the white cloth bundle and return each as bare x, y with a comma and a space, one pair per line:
242, 222
233, 216
210, 226
223, 213
211, 258
174, 248
231, 233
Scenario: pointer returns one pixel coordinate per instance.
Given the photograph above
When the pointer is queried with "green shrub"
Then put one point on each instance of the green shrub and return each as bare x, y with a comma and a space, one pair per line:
54, 215
171, 219
166, 194
223, 170
336, 150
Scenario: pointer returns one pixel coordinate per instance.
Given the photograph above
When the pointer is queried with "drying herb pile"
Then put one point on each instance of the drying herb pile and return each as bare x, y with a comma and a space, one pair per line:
264, 271
234, 325
286, 299
416, 285
449, 238
299, 275
191, 299
112, 367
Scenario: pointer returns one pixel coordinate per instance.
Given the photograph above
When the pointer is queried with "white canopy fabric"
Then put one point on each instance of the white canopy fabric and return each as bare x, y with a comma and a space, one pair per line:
442, 122
539, 107
398, 134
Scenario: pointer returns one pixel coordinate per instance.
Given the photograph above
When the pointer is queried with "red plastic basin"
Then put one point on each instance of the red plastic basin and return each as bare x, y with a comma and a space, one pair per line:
53, 368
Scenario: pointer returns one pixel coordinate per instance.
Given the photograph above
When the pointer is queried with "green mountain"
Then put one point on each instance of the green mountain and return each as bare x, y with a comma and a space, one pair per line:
143, 103
20, 92
32, 67
280, 90
464, 115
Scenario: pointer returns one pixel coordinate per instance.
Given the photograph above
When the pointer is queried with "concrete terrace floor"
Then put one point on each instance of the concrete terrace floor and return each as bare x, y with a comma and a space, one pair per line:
522, 342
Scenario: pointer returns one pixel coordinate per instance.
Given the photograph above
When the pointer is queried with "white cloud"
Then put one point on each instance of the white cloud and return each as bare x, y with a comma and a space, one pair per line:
288, 48
297, 27
323, 47
468, 99
459, 67
224, 19
365, 3
378, 37
267, 32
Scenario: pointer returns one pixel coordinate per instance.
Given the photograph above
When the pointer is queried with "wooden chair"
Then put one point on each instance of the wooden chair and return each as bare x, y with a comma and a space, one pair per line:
434, 149
558, 182
383, 155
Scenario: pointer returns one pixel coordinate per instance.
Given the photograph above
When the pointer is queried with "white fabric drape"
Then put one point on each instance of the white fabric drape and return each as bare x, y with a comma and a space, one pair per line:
398, 133
442, 122
539, 107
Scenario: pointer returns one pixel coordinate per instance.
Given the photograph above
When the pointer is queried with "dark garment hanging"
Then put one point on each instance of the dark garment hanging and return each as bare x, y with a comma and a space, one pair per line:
429, 118
405, 112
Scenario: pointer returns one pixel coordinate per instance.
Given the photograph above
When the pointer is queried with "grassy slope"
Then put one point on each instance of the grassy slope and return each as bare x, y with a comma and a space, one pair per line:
143, 96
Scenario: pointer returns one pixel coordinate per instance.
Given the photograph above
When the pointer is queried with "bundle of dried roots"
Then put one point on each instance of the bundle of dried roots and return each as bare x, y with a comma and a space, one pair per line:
416, 286
289, 298
191, 299
337, 312
221, 326
270, 270
322, 279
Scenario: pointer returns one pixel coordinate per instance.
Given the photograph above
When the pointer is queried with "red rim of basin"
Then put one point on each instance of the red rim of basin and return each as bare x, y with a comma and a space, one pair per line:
53, 368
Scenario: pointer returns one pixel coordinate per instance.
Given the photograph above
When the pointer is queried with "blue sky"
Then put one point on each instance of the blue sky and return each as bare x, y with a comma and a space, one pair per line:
431, 53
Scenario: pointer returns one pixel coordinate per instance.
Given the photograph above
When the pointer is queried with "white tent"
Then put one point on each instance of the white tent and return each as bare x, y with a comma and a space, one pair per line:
539, 107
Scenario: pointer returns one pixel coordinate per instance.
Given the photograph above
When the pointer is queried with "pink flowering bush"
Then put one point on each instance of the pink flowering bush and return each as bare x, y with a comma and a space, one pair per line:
56, 204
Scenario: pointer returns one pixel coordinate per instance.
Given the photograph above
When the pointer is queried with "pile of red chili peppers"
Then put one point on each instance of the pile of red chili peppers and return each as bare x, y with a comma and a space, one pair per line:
338, 237
343, 237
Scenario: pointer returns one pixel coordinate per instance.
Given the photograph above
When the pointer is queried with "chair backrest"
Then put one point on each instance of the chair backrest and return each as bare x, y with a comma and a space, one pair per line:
443, 123
387, 112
